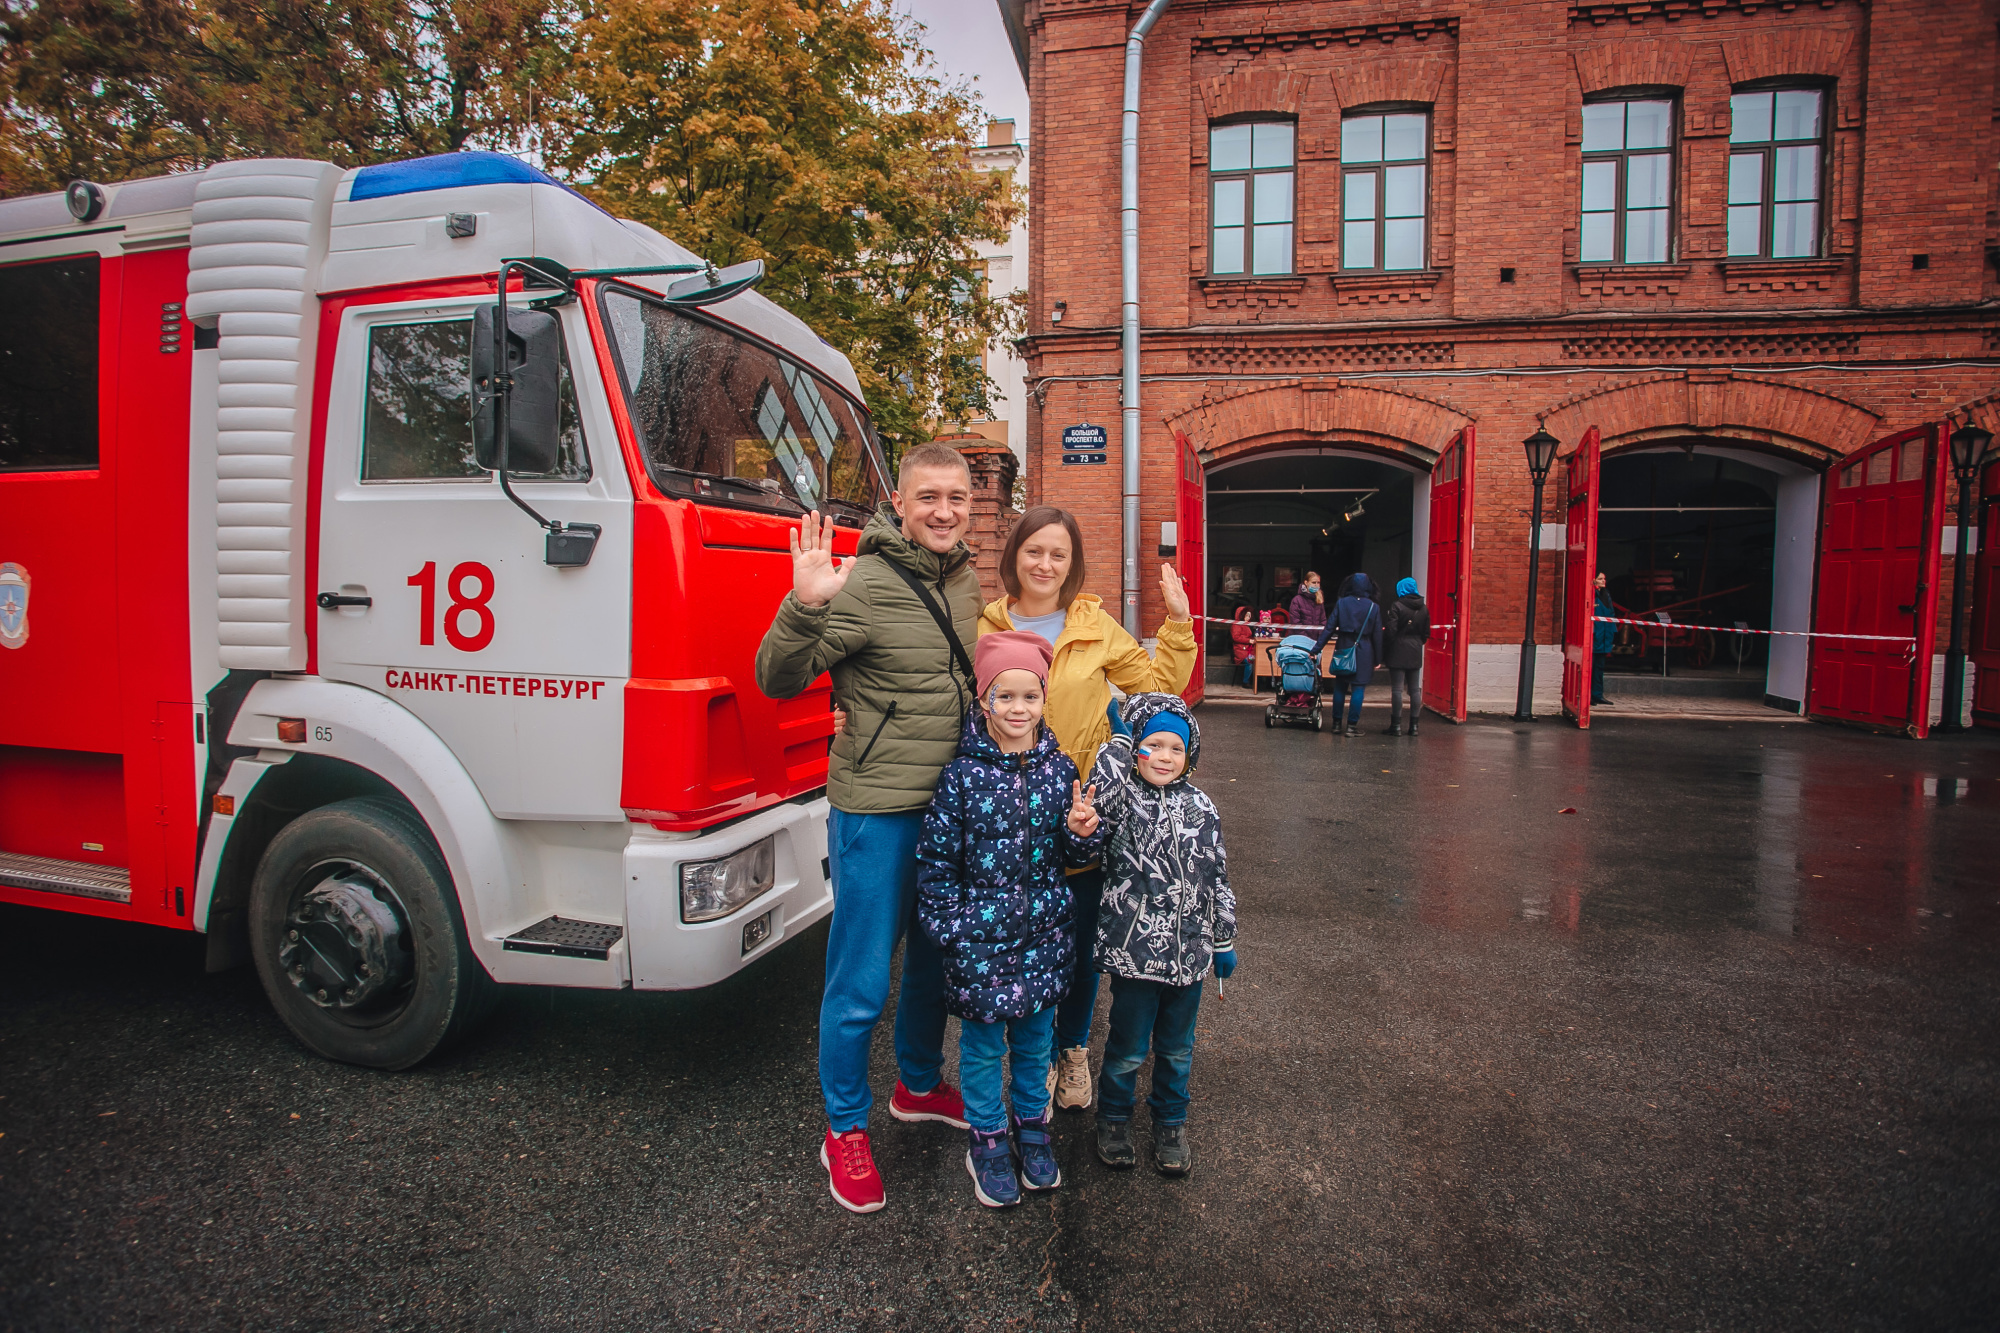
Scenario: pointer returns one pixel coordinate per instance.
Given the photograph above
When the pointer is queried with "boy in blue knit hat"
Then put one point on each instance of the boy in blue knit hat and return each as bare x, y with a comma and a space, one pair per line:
1167, 914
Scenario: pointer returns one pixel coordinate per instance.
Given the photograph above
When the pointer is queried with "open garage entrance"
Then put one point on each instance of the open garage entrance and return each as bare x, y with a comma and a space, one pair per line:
1853, 560
1710, 537
1270, 518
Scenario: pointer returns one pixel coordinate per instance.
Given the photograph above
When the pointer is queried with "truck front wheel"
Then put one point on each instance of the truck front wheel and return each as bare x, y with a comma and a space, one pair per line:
358, 938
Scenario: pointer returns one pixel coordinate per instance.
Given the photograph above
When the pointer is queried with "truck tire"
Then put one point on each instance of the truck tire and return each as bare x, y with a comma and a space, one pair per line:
356, 932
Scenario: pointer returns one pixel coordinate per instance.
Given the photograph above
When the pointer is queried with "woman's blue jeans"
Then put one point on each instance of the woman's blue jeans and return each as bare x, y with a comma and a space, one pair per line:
1348, 690
1086, 891
1143, 1014
874, 863
981, 1046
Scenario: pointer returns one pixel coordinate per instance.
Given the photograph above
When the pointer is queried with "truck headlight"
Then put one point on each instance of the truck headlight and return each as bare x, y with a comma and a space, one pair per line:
710, 889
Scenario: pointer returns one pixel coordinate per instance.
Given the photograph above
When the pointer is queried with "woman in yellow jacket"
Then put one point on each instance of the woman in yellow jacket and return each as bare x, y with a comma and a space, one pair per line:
1042, 569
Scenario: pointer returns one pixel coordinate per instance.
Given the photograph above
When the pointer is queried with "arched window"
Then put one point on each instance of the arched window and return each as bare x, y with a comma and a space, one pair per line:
1385, 189
1250, 198
1628, 180
1777, 143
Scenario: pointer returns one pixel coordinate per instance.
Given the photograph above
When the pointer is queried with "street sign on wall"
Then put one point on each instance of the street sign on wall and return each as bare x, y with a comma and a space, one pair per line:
1085, 444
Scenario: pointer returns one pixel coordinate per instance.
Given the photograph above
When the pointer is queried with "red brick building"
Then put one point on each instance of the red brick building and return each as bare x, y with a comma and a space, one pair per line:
1742, 241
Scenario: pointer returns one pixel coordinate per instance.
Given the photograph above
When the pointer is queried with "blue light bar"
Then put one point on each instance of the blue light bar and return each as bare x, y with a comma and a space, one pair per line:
446, 171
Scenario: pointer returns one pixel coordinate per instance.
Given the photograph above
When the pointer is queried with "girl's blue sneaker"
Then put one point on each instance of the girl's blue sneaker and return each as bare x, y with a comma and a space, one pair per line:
990, 1163
1033, 1145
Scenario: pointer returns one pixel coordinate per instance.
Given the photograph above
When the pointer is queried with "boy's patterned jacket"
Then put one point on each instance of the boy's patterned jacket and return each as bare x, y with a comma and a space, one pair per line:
990, 887
1167, 906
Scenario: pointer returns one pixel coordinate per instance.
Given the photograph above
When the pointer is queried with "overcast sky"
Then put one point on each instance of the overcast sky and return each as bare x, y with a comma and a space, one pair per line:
967, 39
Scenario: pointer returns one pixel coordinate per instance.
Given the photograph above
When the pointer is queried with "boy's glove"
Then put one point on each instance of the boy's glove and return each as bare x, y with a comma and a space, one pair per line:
1225, 962
1118, 727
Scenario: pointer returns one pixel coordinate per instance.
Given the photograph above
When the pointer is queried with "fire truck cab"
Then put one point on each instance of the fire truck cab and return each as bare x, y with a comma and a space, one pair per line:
282, 660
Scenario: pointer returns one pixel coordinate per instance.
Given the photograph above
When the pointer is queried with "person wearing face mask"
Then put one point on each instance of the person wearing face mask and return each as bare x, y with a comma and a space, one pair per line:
892, 625
1309, 602
1042, 568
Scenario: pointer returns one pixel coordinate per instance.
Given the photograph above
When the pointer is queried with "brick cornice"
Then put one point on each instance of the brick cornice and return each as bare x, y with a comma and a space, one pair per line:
1639, 11
1799, 421
1353, 34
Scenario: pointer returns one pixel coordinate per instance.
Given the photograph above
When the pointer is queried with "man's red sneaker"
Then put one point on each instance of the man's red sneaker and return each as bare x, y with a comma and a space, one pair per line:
942, 1104
850, 1171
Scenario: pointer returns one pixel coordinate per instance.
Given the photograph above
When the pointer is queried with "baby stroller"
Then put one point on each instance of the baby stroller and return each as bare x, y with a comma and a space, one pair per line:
1298, 684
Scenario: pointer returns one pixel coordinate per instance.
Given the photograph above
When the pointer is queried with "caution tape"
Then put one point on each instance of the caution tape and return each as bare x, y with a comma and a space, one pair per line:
1773, 633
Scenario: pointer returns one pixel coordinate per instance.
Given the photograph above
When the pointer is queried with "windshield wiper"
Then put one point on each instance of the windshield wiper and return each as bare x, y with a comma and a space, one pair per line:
855, 507
739, 483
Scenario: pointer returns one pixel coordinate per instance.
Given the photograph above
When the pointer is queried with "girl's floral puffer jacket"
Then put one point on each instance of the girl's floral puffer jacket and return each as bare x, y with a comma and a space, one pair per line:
990, 875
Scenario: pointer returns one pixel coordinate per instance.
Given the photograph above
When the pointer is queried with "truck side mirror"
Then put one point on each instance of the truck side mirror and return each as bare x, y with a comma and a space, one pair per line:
534, 411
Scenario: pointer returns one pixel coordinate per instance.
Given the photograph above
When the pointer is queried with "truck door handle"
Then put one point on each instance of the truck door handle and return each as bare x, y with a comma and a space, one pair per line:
329, 600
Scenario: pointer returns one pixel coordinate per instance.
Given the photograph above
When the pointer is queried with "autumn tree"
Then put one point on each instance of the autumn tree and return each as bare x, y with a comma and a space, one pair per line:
812, 135
112, 89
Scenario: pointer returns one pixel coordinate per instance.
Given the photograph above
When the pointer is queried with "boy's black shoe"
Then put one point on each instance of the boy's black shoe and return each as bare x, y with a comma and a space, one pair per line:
1114, 1144
1170, 1150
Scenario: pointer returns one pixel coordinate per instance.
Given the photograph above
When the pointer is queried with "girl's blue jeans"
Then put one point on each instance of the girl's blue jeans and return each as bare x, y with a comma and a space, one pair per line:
1149, 1014
982, 1046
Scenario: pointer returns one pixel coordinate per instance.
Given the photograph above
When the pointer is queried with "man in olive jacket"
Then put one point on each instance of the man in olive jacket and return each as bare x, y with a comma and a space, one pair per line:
896, 674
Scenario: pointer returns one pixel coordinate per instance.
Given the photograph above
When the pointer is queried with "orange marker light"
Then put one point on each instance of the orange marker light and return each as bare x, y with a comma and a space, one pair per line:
292, 730
225, 805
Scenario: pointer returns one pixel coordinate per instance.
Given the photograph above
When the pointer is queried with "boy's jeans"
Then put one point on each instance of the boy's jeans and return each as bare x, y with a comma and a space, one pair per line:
1073, 1015
874, 863
980, 1049
1149, 1013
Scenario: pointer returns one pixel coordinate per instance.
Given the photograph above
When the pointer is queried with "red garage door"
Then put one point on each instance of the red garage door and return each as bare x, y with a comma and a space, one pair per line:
1449, 574
1580, 578
1878, 575
1985, 650
1191, 558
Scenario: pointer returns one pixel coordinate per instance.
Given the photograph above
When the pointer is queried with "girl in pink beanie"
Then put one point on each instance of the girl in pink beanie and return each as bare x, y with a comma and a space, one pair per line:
1007, 818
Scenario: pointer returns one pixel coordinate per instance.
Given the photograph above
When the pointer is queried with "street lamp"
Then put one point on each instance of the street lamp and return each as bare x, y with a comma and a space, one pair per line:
1968, 452
1541, 447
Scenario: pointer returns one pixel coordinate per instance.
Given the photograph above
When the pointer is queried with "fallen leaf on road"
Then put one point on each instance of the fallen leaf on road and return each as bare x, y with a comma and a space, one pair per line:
1567, 810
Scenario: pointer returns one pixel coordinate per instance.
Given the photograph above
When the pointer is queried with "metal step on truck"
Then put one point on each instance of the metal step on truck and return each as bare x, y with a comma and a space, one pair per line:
383, 552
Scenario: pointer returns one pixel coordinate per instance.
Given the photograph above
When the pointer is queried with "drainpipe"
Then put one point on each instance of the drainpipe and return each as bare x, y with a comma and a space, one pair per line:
1128, 247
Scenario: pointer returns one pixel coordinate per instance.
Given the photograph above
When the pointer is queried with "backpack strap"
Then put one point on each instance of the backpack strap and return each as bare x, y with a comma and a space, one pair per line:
937, 614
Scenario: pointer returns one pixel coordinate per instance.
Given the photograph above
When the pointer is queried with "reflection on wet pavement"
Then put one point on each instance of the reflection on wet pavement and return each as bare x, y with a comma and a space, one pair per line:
1819, 833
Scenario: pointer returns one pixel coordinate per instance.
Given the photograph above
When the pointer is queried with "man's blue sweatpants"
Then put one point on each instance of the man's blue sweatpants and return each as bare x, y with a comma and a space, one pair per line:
874, 864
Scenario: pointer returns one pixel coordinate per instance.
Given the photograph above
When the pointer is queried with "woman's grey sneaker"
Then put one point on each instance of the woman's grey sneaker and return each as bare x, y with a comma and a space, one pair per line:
1072, 1079
1114, 1143
990, 1162
1035, 1150
1170, 1150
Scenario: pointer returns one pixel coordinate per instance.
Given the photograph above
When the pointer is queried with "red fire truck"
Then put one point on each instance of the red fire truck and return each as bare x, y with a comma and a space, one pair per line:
382, 557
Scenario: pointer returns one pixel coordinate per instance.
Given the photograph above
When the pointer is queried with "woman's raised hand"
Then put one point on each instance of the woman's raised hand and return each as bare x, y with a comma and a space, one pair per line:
1082, 809
816, 576
1175, 593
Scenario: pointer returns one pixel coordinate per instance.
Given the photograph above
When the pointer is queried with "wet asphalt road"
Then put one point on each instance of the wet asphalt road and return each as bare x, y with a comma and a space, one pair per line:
1717, 1051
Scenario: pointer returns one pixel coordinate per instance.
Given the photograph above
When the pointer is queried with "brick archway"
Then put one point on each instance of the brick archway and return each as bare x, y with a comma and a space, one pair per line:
1387, 421
1800, 424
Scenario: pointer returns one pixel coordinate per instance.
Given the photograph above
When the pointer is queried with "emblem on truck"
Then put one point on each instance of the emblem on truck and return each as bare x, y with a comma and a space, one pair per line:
14, 583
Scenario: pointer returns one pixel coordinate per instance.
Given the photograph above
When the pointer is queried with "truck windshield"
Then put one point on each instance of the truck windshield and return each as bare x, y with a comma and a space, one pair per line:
725, 419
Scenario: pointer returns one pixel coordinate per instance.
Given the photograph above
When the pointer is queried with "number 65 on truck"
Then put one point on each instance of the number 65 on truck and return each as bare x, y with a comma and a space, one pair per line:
383, 554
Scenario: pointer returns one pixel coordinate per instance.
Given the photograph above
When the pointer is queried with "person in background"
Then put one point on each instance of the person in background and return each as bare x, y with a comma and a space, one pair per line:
1406, 628
1243, 646
1007, 817
1355, 619
1602, 636
1309, 602
1042, 568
